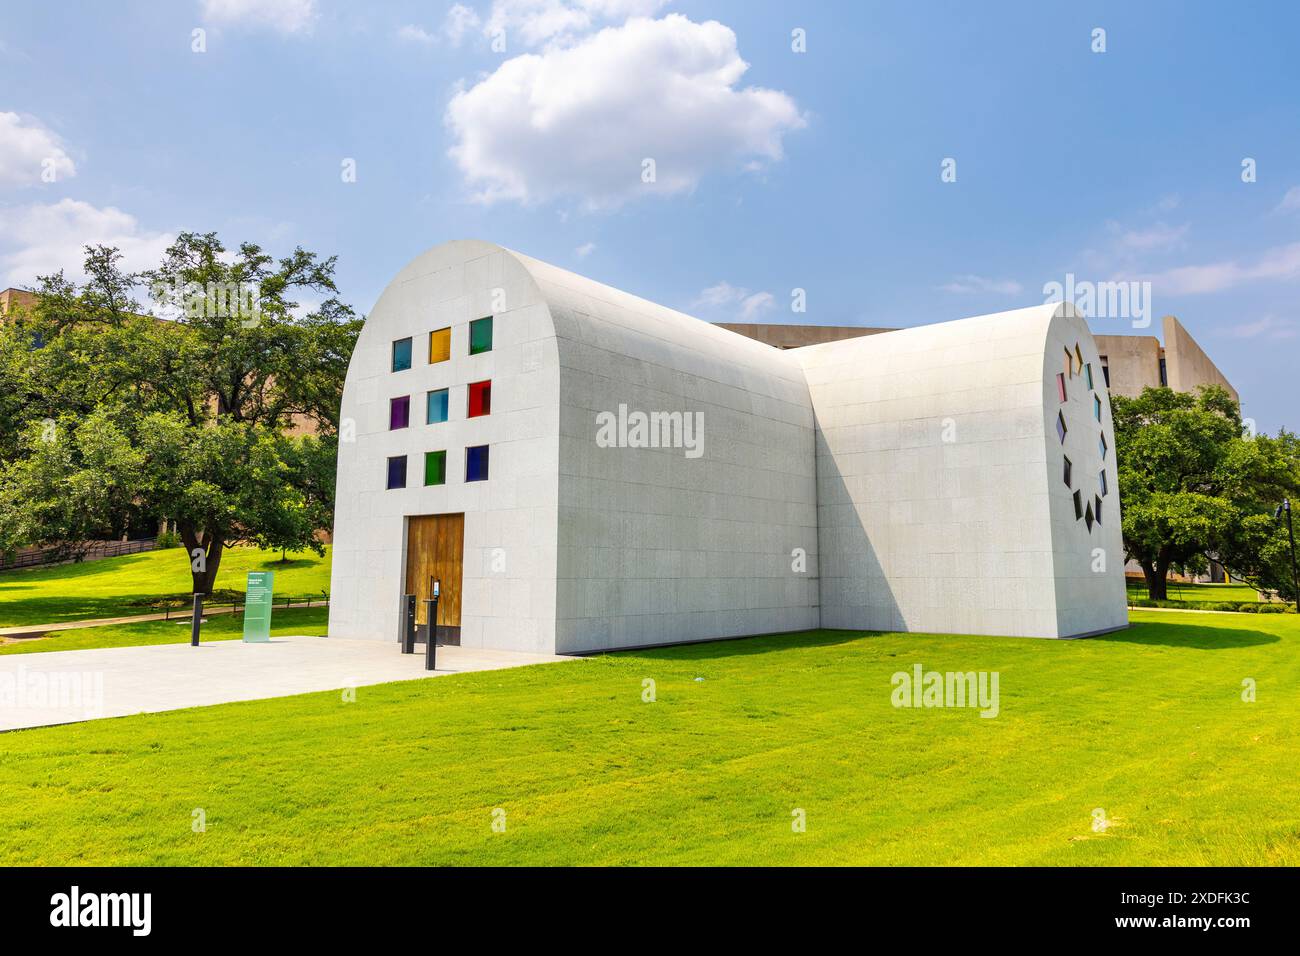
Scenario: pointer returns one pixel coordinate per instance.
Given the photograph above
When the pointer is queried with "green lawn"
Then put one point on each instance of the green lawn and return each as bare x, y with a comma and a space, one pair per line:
219, 627
1198, 592
116, 587
1147, 725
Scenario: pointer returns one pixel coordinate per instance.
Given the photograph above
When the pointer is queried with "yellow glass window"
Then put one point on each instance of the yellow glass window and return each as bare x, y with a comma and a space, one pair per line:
439, 346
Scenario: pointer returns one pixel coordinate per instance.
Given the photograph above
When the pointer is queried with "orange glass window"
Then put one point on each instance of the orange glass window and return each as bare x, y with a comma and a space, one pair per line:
439, 346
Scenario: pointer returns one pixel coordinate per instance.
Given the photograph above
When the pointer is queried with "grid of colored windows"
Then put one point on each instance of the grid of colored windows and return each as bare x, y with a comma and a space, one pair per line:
439, 346
399, 412
435, 467
476, 463
480, 399
401, 355
397, 472
436, 410
480, 335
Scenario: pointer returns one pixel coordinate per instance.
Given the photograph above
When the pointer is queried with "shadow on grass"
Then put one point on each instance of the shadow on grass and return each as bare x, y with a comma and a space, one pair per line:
1195, 636
742, 646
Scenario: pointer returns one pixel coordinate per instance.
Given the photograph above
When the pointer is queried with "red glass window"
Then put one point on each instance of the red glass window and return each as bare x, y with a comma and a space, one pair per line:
480, 399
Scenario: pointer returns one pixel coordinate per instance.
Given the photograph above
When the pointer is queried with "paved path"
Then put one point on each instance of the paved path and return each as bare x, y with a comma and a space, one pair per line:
176, 614
60, 687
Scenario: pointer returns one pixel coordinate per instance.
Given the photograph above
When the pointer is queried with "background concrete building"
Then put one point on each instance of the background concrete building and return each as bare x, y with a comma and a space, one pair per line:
1129, 363
843, 486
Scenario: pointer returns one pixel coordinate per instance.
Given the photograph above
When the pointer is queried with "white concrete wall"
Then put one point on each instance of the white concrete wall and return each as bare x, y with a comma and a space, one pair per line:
1088, 565
936, 513
656, 547
507, 604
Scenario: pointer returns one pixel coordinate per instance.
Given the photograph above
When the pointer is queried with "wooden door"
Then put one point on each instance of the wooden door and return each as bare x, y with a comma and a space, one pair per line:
435, 547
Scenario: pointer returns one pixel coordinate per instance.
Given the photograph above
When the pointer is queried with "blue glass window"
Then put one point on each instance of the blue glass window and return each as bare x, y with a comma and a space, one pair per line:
437, 407
476, 463
401, 355
397, 472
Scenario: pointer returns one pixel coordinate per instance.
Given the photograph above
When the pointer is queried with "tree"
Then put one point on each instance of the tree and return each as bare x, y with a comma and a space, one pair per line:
206, 398
1193, 485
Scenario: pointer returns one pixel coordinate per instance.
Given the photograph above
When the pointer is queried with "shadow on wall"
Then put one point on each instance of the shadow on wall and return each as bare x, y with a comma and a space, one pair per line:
855, 593
1197, 637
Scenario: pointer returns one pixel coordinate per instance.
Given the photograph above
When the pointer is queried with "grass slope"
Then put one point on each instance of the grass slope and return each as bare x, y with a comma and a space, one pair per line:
1148, 725
219, 627
1179, 591
116, 587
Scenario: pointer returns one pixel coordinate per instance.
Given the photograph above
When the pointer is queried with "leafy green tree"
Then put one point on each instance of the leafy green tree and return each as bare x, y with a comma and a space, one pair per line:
1194, 486
211, 398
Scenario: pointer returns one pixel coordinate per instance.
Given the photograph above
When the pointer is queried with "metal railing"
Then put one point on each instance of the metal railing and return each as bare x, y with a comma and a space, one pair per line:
63, 555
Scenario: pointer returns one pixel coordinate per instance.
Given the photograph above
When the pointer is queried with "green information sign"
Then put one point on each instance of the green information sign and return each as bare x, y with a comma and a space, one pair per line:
257, 606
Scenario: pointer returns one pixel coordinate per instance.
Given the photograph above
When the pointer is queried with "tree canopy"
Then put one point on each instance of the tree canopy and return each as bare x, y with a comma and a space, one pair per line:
1195, 486
216, 409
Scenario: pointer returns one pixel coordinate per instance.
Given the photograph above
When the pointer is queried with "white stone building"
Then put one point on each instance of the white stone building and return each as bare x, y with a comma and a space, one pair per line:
581, 469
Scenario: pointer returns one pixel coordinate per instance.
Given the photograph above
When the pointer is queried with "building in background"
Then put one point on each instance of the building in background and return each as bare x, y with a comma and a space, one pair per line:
1129, 363
579, 470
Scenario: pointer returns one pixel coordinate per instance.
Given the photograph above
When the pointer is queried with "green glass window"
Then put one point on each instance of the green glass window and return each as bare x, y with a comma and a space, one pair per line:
435, 467
480, 336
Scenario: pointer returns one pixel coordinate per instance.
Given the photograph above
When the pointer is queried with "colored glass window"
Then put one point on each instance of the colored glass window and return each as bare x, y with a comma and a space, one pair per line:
1087, 371
1098, 502
401, 355
436, 410
476, 463
435, 467
439, 346
1069, 364
480, 336
1069, 472
480, 399
1078, 358
1078, 505
399, 412
397, 472
1060, 427
1096, 407
1101, 445
1060, 385
1101, 480
1087, 516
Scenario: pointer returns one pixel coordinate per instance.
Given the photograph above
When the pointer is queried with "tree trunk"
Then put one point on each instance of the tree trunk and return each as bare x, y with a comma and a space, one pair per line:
1156, 578
203, 550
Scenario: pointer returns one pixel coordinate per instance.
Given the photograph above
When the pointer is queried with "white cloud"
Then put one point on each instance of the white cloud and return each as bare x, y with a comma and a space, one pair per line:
414, 33
40, 239
1279, 263
580, 121
1270, 327
537, 21
459, 21
27, 149
745, 304
584, 250
1291, 201
286, 16
968, 284
1151, 239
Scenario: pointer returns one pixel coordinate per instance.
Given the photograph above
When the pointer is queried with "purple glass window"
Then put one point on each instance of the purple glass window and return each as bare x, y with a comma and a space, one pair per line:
399, 412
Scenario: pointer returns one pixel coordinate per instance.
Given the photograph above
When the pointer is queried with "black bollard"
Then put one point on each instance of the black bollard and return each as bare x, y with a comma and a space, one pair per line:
431, 642
196, 620
407, 633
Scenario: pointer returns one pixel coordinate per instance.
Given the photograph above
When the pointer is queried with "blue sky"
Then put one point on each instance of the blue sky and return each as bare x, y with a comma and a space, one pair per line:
817, 170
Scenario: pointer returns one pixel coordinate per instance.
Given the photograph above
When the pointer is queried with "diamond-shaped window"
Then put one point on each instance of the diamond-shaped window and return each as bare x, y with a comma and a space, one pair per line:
1060, 427
1101, 480
1068, 467
1101, 443
1087, 516
1098, 503
1078, 505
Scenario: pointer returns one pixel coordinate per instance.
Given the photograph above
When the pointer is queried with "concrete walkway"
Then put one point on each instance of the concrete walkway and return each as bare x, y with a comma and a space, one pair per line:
60, 687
